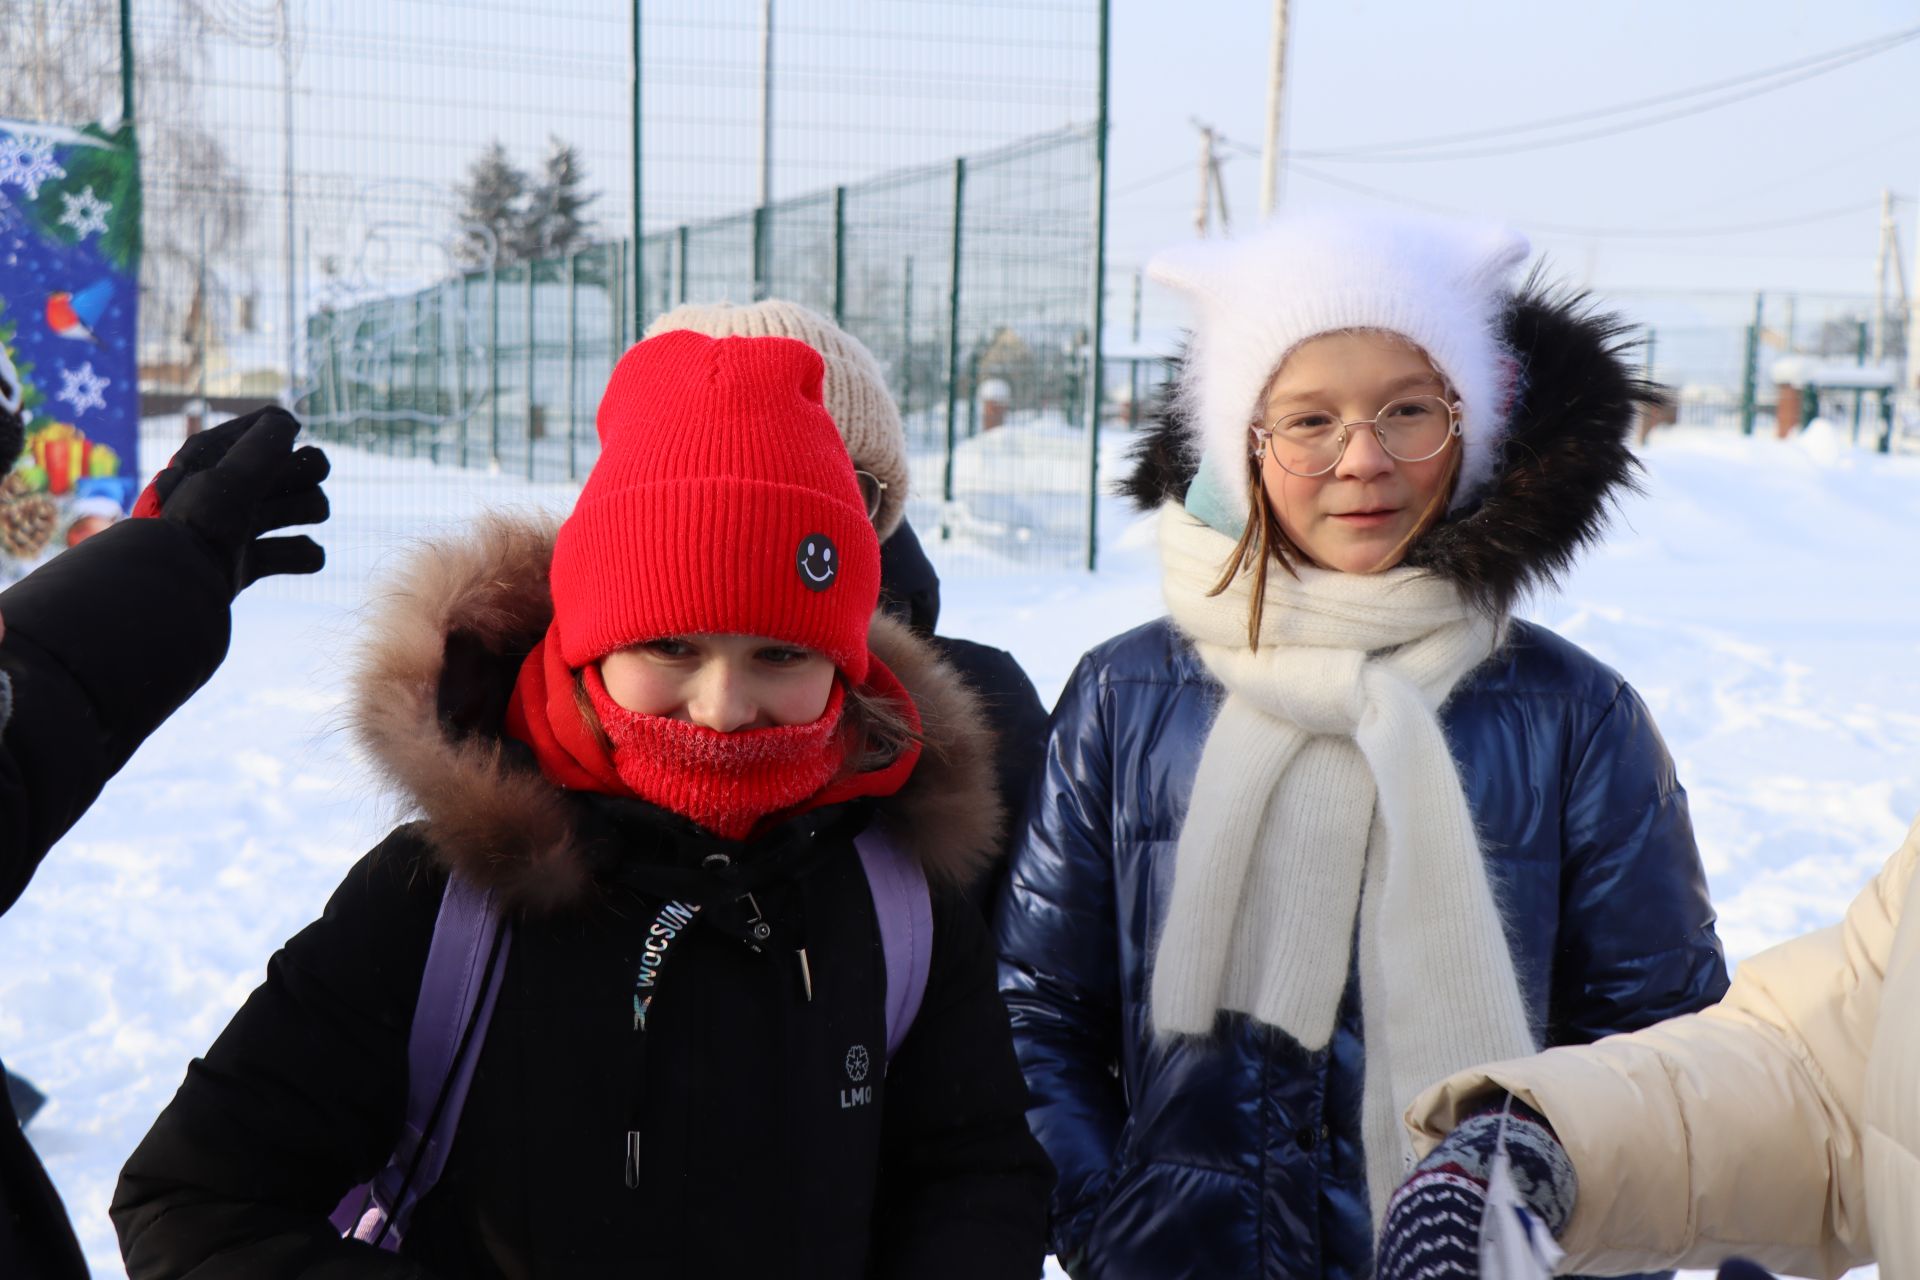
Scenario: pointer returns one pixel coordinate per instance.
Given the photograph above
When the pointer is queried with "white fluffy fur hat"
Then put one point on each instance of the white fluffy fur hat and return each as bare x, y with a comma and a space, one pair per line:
1441, 284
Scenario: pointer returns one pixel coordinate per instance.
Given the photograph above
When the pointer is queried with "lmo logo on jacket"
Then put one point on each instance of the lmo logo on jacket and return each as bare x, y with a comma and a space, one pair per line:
858, 1063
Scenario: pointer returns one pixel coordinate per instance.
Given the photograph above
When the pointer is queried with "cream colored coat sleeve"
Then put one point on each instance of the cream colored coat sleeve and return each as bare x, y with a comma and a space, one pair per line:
1734, 1130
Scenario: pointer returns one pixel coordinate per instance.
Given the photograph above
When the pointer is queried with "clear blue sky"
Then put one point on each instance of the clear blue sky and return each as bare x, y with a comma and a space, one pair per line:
1366, 71
394, 99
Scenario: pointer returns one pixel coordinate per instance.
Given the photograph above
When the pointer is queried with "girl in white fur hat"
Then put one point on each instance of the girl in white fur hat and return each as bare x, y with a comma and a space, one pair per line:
1340, 824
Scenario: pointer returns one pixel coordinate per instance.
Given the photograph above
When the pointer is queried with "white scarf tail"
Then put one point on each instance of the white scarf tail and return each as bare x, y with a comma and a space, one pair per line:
1327, 795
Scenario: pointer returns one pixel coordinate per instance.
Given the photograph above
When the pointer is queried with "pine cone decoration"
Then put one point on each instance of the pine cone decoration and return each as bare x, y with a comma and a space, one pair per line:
26, 519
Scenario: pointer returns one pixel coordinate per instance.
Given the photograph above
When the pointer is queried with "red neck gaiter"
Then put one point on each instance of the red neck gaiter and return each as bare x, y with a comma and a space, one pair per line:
726, 782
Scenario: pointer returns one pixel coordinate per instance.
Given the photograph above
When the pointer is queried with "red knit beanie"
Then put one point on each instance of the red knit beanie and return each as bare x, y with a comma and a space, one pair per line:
723, 503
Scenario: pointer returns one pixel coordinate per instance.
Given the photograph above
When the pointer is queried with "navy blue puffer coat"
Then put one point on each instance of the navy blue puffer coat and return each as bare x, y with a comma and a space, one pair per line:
1239, 1155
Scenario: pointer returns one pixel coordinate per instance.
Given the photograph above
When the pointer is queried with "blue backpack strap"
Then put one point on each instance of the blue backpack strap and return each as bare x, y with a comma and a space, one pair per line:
458, 988
904, 906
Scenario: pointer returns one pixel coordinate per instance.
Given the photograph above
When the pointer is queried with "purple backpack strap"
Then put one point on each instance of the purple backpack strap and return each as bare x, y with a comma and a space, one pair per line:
457, 993
904, 906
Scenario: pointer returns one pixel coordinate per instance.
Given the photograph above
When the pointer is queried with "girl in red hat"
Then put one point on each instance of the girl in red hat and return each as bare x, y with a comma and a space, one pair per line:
678, 756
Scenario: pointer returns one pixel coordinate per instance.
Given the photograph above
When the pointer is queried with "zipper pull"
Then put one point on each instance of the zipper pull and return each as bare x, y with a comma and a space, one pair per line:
633, 1159
806, 974
757, 926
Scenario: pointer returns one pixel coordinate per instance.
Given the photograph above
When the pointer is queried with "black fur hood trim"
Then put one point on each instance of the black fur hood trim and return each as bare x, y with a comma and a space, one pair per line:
1565, 461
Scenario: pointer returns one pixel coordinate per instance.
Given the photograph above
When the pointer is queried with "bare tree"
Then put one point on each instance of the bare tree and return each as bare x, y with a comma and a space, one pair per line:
195, 199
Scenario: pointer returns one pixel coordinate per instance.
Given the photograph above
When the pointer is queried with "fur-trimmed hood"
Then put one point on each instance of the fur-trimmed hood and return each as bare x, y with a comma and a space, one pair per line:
1566, 457
481, 601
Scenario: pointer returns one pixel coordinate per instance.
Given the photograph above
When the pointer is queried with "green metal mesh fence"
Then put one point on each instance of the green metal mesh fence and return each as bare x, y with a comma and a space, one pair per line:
311, 234
502, 368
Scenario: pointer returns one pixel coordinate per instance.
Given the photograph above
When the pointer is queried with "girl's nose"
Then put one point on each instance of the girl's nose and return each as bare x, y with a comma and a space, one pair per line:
1363, 458
721, 701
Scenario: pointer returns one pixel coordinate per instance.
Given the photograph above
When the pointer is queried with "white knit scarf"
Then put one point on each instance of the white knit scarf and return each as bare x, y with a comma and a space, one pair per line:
1326, 791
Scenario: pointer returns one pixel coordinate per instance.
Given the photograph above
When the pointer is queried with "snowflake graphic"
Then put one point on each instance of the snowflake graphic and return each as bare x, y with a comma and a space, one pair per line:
82, 388
857, 1063
26, 162
85, 212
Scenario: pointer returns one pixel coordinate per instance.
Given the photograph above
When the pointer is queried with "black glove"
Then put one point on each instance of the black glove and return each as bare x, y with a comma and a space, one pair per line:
239, 481
13, 427
13, 437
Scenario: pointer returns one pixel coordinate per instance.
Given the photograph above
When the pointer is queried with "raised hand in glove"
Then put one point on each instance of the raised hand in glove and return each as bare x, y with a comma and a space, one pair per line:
238, 482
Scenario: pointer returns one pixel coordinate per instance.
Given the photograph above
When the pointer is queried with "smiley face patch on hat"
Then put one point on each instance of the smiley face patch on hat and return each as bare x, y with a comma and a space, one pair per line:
816, 562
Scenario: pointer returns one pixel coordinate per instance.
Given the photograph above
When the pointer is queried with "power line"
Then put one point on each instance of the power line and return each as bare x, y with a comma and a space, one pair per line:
1598, 233
1684, 233
1761, 82
1864, 48
1140, 184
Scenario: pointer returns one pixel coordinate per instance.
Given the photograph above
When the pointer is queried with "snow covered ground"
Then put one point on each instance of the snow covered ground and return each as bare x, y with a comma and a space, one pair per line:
1765, 597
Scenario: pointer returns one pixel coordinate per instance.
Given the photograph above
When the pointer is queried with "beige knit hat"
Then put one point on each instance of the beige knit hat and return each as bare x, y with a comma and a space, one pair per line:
856, 392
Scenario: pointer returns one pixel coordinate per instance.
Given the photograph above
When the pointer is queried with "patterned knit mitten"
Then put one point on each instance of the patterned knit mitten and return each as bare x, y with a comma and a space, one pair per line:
1432, 1230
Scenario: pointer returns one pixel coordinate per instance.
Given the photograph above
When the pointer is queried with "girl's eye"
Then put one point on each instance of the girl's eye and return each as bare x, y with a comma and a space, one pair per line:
669, 648
782, 657
1306, 422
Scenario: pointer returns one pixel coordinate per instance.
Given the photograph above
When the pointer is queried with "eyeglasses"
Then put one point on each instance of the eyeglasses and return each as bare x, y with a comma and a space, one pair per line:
1411, 429
873, 491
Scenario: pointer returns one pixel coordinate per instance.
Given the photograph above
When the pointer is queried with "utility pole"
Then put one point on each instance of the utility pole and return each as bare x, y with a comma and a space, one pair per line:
1270, 165
1912, 380
1212, 190
1880, 277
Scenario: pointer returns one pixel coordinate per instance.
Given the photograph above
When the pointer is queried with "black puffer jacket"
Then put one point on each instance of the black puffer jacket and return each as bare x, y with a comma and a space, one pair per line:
762, 1155
102, 644
910, 593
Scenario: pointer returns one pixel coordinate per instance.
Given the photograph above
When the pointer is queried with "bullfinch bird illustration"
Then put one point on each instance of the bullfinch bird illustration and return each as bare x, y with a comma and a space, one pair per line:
73, 315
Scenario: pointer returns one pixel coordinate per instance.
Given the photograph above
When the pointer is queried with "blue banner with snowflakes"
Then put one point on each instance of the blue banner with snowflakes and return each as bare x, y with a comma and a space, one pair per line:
69, 299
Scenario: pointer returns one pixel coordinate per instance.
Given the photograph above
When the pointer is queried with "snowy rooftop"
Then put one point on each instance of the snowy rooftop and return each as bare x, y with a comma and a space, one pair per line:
1817, 371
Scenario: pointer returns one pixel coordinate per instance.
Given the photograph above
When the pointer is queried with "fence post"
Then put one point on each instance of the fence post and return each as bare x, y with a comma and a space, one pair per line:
840, 256
953, 331
906, 340
761, 252
339, 401
613, 306
1750, 374
463, 337
1097, 383
493, 368
393, 388
415, 342
1859, 393
533, 409
573, 323
684, 241
973, 395
426, 368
